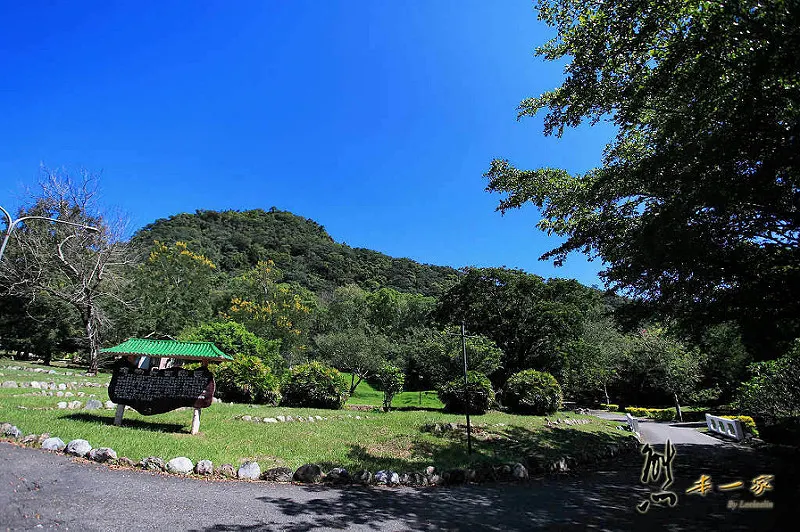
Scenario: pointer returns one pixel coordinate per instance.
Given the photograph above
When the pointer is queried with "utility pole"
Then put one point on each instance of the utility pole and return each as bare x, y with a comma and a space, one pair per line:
466, 388
464, 337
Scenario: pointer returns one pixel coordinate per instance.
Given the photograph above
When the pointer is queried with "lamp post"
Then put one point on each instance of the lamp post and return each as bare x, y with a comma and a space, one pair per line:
12, 223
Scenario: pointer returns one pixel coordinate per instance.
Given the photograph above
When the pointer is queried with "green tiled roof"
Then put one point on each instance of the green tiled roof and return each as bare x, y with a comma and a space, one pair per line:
168, 349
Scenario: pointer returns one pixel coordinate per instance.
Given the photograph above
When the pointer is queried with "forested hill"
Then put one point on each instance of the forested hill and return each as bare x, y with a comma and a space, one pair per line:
300, 247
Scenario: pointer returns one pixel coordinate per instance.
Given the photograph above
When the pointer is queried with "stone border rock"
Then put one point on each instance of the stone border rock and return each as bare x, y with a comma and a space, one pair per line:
46, 371
313, 473
295, 419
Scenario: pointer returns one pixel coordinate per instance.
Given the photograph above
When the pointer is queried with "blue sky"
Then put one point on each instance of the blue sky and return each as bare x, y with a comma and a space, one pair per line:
376, 119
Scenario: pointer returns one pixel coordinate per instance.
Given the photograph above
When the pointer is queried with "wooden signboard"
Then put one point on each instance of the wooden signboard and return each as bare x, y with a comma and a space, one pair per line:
156, 391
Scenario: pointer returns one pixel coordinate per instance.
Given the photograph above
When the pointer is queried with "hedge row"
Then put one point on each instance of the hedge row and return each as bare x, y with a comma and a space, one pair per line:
246, 379
659, 414
528, 392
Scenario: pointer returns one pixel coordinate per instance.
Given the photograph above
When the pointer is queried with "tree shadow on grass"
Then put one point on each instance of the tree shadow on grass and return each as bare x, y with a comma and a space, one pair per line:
127, 423
510, 444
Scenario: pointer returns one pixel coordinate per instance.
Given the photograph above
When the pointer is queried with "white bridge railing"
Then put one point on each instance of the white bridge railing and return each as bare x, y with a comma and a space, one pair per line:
633, 423
727, 427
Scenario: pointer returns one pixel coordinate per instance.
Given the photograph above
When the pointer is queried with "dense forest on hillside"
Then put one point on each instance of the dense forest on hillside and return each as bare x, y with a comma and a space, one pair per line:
301, 248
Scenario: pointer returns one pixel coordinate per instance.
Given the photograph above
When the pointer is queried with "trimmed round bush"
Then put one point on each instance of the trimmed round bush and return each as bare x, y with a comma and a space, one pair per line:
246, 379
532, 392
481, 394
314, 385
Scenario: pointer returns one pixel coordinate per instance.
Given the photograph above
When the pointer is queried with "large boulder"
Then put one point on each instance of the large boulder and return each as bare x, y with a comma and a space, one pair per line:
204, 467
227, 470
78, 447
10, 384
12, 432
338, 475
153, 463
93, 404
277, 474
249, 471
311, 473
102, 454
519, 472
53, 444
362, 477
455, 477
180, 466
414, 479
387, 477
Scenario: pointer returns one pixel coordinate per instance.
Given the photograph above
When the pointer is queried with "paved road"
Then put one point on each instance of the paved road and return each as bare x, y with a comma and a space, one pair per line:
659, 433
41, 490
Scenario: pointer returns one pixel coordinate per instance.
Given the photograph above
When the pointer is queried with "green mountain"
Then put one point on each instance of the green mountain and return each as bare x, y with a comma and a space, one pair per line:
300, 247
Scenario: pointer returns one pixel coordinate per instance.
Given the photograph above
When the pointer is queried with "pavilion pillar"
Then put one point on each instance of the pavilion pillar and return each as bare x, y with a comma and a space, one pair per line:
196, 421
119, 414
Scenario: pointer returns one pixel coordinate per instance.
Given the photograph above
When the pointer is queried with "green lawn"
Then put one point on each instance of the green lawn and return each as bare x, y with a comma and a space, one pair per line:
376, 441
367, 395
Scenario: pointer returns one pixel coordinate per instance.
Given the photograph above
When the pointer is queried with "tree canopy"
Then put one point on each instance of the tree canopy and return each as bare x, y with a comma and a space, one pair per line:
696, 205
531, 320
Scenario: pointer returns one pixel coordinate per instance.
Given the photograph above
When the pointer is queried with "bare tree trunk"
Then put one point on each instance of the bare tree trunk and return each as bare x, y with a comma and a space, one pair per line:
605, 391
94, 346
678, 406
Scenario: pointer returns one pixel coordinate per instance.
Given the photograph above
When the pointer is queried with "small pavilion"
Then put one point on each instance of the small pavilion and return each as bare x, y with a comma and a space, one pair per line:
146, 378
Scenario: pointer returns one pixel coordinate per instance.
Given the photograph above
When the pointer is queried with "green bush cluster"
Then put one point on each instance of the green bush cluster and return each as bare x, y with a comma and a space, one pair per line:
772, 394
246, 379
611, 407
314, 385
748, 423
389, 379
481, 394
532, 392
658, 414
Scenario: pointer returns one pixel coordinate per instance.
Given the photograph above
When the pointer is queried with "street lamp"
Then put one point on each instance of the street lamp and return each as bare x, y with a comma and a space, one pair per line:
12, 223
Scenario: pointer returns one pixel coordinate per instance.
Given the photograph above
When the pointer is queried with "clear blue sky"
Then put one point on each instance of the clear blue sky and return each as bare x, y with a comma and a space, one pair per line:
376, 119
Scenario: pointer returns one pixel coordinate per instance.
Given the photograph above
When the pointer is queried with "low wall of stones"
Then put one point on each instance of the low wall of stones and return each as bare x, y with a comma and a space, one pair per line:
313, 473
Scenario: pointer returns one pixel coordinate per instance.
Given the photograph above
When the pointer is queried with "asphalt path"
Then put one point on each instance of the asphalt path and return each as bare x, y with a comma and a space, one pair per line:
42, 490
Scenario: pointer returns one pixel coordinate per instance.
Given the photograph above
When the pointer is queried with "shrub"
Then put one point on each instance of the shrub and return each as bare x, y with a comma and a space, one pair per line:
246, 379
234, 339
314, 385
772, 395
705, 396
747, 422
611, 407
388, 379
658, 414
481, 394
532, 392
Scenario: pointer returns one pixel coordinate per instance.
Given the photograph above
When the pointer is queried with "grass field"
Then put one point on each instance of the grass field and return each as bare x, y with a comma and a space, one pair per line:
367, 395
376, 441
